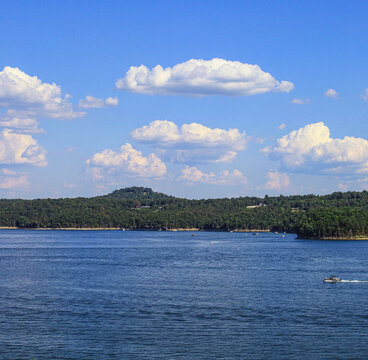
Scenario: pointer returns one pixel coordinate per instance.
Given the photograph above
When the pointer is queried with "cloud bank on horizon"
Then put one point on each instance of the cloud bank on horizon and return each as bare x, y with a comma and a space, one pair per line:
198, 77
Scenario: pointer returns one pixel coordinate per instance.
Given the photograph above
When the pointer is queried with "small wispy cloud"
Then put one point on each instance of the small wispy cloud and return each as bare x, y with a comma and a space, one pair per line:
192, 174
282, 126
10, 179
91, 102
301, 101
332, 93
365, 95
276, 180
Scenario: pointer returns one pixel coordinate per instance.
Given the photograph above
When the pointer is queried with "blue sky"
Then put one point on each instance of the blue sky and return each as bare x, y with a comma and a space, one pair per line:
234, 98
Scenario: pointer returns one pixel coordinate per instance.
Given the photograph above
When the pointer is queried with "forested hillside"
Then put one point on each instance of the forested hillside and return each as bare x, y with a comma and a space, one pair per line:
339, 214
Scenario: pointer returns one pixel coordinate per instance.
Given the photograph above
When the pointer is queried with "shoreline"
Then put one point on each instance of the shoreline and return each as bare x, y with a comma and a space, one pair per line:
332, 238
343, 238
139, 229
71, 229
252, 230
346, 238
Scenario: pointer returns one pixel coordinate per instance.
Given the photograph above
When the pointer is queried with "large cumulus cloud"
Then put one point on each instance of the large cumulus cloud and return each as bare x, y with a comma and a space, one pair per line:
127, 161
312, 150
26, 99
191, 143
20, 149
197, 77
28, 94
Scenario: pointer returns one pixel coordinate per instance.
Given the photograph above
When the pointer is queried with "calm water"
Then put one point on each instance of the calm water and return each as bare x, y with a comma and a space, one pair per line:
160, 295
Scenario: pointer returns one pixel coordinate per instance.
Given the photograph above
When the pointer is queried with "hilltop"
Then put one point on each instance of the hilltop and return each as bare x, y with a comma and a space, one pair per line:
137, 193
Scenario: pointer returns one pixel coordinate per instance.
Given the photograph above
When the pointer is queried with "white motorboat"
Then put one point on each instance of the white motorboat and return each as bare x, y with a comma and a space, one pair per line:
332, 279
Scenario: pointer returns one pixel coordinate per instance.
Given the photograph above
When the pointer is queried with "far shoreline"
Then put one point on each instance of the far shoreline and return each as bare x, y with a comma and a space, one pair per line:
138, 229
333, 238
254, 231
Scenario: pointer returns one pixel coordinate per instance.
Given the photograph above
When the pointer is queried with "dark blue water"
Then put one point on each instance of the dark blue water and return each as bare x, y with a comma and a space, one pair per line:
162, 295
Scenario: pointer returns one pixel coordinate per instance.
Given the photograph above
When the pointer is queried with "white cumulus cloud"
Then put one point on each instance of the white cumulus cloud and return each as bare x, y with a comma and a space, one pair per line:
26, 98
311, 149
192, 174
191, 142
197, 77
20, 149
276, 180
93, 102
20, 123
127, 161
332, 93
28, 94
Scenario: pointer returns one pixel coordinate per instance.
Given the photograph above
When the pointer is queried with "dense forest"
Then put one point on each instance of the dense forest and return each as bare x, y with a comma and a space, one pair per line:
137, 208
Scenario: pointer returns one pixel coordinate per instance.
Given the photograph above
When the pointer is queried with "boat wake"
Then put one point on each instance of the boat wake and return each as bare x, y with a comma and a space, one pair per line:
354, 281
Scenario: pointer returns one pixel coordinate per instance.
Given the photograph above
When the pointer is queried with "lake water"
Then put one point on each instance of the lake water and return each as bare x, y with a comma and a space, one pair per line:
171, 295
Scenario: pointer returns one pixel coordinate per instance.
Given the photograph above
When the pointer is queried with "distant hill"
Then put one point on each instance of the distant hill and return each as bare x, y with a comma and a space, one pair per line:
137, 193
338, 215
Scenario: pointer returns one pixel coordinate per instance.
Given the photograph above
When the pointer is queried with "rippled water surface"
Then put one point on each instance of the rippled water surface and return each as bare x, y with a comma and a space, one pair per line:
172, 295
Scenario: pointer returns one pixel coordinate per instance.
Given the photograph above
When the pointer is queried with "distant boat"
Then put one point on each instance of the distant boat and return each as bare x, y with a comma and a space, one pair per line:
332, 279
255, 233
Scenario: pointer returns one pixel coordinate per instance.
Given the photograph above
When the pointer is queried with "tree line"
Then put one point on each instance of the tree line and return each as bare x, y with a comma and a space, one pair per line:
335, 215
